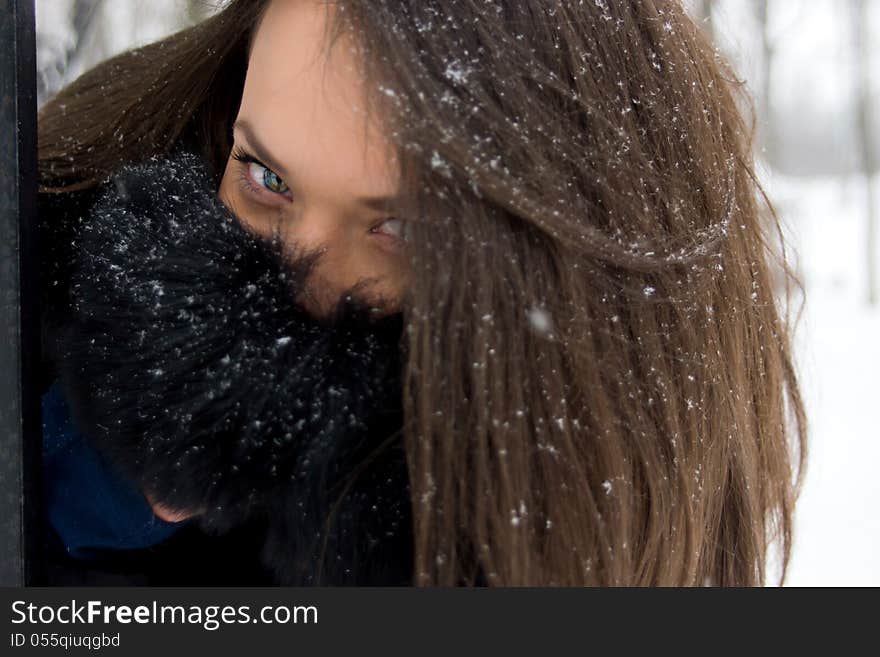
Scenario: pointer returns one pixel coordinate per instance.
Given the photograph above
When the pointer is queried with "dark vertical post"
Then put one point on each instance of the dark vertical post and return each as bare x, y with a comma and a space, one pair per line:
20, 427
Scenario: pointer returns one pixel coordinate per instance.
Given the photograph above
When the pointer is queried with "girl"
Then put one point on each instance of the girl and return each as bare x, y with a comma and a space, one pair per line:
420, 293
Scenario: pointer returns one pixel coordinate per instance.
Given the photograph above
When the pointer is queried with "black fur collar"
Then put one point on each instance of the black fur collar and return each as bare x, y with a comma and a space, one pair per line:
188, 365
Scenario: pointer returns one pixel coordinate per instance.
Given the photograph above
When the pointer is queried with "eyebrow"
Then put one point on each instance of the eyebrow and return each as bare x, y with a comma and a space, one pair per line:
378, 203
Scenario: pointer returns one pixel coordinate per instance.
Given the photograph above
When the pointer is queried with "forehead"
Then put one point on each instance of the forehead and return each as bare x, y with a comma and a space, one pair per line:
307, 105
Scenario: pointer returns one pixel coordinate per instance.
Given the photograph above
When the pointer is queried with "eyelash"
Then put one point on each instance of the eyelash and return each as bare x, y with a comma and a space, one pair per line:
245, 158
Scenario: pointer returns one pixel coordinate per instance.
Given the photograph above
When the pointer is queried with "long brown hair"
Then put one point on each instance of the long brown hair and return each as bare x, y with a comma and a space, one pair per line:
599, 382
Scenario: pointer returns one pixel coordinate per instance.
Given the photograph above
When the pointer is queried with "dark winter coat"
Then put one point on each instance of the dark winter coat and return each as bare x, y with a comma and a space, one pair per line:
189, 369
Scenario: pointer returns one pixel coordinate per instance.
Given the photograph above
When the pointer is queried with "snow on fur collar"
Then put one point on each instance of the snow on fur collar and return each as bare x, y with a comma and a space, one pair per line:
190, 367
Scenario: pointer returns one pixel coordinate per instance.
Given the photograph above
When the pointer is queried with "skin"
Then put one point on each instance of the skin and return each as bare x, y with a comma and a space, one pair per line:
302, 117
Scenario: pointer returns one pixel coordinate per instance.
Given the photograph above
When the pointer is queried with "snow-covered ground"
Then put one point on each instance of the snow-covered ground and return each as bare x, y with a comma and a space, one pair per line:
837, 532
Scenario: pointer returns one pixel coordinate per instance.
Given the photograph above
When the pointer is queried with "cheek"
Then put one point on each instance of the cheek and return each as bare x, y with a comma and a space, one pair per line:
229, 194
233, 198
225, 186
396, 279
389, 275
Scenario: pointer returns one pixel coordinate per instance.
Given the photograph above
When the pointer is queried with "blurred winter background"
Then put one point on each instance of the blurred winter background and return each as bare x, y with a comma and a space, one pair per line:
813, 67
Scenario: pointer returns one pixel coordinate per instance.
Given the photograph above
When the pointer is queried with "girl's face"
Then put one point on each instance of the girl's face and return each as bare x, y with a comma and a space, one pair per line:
305, 162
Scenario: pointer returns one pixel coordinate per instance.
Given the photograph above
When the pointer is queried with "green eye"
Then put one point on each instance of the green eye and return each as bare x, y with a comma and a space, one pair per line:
272, 182
269, 179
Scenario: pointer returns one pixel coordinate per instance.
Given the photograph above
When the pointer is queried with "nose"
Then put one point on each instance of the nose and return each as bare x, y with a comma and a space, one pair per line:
333, 274
315, 229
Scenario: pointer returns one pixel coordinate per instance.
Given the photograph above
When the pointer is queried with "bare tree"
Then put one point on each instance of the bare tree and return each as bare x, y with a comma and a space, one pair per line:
82, 17
703, 13
199, 10
865, 141
52, 75
765, 107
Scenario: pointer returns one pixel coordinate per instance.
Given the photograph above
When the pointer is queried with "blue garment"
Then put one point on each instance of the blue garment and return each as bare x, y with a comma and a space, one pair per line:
90, 506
